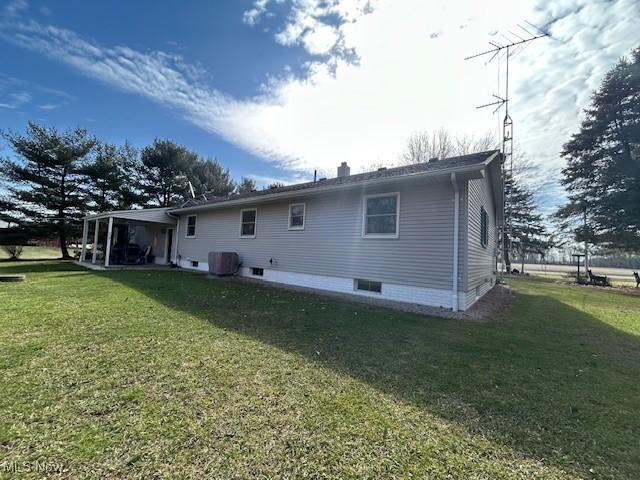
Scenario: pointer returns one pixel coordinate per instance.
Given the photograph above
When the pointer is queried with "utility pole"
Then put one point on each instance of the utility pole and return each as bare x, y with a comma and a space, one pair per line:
510, 49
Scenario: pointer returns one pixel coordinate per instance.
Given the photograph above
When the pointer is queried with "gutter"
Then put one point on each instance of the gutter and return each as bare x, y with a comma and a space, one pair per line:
456, 246
320, 189
114, 213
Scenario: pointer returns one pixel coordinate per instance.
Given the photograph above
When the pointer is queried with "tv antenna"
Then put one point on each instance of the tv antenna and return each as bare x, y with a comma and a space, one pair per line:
512, 44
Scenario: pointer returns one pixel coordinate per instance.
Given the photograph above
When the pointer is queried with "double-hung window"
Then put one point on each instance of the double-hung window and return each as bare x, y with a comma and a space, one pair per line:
248, 223
191, 226
296, 216
381, 215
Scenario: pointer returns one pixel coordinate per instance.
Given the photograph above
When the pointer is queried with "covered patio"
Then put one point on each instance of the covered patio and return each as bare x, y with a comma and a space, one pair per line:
131, 237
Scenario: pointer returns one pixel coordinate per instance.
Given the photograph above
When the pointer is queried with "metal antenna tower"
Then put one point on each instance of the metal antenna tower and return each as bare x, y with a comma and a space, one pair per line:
512, 47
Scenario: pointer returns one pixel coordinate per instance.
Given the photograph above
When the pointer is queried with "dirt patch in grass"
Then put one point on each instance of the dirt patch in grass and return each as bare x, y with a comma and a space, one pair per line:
495, 304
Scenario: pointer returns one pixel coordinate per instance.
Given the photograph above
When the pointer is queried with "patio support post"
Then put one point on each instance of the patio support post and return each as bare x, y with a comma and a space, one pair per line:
95, 241
85, 234
107, 252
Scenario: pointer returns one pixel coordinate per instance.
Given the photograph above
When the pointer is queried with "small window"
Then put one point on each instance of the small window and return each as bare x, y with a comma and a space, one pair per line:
368, 285
258, 272
248, 223
194, 263
484, 227
296, 216
191, 226
381, 215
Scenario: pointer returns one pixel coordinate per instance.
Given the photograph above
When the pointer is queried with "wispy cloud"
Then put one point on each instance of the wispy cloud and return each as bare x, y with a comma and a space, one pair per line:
377, 71
13, 100
159, 76
15, 7
49, 106
16, 93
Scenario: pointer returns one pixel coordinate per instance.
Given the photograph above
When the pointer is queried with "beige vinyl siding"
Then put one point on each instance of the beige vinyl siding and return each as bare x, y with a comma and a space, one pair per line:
332, 243
481, 260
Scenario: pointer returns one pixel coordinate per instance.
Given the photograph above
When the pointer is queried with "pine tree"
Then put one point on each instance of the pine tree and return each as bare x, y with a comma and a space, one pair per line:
210, 178
110, 184
528, 233
45, 187
164, 173
602, 175
246, 185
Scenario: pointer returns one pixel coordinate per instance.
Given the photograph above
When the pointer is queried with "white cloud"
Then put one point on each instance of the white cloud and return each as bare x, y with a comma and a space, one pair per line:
15, 7
49, 106
321, 40
254, 14
379, 70
21, 97
410, 76
15, 99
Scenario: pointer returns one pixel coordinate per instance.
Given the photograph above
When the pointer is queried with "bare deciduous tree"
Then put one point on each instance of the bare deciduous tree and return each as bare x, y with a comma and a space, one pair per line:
466, 144
423, 146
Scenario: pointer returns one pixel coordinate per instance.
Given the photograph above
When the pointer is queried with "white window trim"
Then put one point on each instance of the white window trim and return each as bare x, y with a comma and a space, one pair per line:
364, 216
304, 216
186, 232
255, 227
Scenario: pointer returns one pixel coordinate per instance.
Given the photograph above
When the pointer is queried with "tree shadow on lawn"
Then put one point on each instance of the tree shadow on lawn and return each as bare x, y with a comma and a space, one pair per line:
549, 380
553, 382
40, 266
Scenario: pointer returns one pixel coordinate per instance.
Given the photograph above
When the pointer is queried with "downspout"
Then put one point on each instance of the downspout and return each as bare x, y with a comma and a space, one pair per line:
177, 230
456, 235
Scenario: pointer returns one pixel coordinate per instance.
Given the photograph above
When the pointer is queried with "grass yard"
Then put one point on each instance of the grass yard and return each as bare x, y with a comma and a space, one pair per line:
35, 253
161, 374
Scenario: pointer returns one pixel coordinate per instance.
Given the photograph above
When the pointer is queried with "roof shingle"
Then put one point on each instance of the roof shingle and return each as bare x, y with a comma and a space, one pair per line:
433, 166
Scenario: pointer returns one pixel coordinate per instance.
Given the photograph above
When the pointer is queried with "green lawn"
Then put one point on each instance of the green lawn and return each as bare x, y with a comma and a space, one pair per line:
154, 374
35, 253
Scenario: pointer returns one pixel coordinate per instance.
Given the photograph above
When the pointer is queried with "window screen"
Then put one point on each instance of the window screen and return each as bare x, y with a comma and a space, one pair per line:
191, 226
296, 216
248, 223
381, 215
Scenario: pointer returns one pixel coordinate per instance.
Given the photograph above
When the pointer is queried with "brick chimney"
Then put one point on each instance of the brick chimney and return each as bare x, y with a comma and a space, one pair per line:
344, 170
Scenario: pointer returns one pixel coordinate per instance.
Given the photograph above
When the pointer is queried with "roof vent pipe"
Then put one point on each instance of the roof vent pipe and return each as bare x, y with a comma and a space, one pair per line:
344, 170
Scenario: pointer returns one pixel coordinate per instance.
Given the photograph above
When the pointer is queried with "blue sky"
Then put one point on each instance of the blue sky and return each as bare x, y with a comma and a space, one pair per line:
277, 88
235, 58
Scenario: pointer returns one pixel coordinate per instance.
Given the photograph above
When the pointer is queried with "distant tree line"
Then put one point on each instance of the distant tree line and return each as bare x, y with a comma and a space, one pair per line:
56, 178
